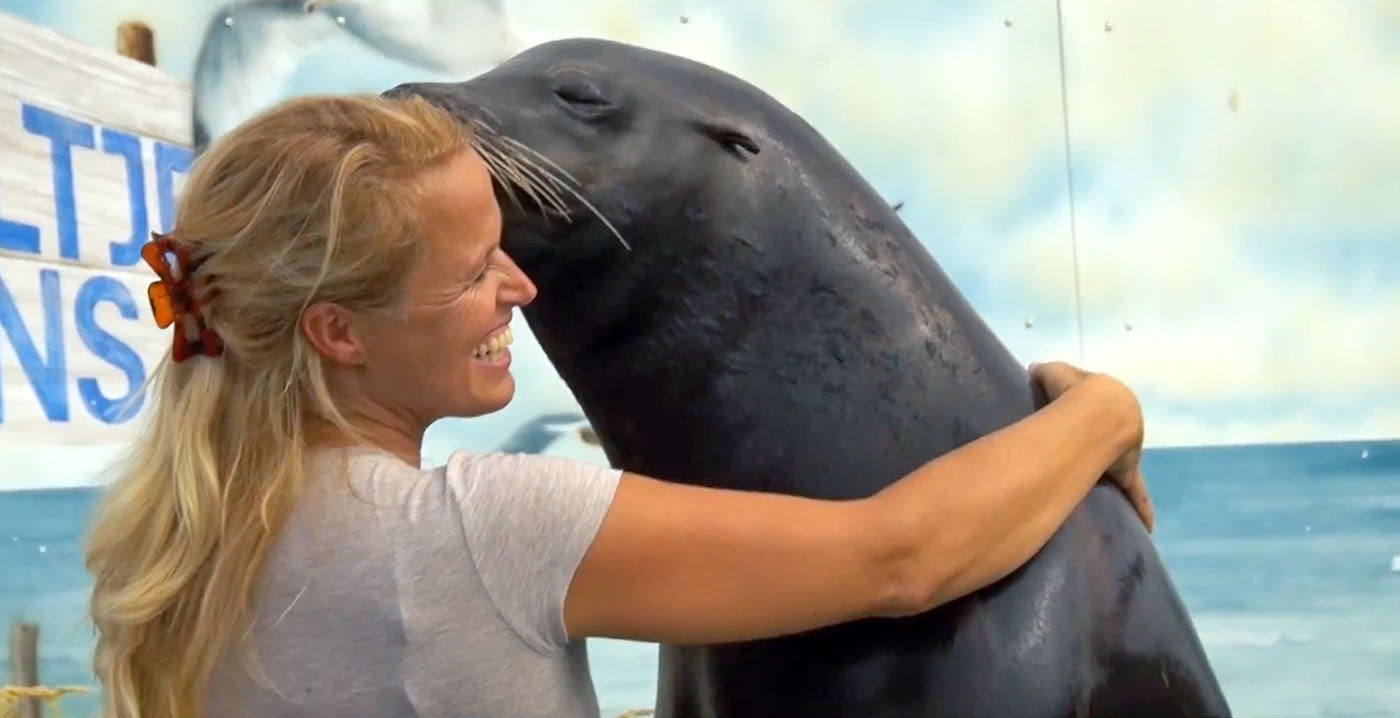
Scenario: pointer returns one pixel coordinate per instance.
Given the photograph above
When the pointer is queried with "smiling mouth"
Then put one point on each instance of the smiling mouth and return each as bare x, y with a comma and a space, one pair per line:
495, 345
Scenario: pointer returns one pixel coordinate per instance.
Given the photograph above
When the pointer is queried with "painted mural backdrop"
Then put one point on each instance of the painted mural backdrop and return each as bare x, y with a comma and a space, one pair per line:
1198, 197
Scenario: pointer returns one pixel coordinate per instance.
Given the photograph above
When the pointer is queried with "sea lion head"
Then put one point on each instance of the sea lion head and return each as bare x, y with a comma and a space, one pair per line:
669, 209
636, 145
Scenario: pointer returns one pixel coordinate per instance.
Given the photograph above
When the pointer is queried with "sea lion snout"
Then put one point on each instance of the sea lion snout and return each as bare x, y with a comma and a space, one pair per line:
431, 90
451, 96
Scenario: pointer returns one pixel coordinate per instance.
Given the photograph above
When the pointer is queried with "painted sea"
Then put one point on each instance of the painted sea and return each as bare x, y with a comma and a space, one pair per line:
1287, 555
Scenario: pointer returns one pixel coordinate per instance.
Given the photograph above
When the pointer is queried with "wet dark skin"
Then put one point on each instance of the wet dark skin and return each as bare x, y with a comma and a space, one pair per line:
776, 340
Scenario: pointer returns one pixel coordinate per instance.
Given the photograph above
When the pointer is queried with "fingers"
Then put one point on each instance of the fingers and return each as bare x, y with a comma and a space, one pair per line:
1056, 378
1056, 368
1136, 489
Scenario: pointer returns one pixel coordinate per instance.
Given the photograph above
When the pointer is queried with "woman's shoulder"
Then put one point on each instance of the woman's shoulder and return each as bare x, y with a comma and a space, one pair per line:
522, 522
497, 465
466, 478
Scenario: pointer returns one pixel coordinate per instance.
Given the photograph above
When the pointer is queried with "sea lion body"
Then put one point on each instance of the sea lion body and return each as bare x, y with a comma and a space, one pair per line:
773, 325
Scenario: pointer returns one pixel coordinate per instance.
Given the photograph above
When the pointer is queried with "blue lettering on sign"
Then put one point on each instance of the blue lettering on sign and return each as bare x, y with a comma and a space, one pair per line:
63, 133
109, 348
128, 146
169, 159
46, 376
18, 236
47, 372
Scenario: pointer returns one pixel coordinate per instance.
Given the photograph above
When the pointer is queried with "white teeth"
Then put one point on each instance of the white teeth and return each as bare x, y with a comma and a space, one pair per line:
492, 348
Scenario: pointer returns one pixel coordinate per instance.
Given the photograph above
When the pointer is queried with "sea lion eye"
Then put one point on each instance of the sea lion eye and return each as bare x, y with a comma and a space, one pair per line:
582, 97
580, 92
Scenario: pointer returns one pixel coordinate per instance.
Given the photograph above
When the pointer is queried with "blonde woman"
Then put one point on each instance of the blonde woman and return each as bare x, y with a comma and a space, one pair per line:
271, 547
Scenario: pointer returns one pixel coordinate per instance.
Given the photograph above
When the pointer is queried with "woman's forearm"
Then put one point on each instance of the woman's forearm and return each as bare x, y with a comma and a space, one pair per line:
675, 563
993, 503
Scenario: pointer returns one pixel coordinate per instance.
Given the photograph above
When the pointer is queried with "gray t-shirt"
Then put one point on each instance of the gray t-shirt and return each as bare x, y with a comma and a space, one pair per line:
429, 593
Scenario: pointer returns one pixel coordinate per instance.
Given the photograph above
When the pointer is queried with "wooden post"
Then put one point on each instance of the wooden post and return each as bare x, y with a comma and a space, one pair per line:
24, 664
136, 41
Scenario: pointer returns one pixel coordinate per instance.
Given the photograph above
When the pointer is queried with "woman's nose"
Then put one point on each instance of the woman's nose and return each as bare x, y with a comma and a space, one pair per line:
517, 289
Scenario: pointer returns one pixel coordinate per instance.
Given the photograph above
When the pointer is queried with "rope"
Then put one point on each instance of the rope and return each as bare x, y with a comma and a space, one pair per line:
1069, 182
11, 696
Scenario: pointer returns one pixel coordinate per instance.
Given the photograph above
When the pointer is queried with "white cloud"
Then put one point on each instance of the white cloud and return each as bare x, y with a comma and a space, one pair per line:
706, 34
1191, 215
177, 27
1214, 330
1176, 428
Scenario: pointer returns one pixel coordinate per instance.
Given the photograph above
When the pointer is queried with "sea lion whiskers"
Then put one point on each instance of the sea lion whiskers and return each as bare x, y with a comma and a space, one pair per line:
509, 163
501, 170
517, 144
551, 176
506, 167
547, 183
517, 168
510, 176
506, 150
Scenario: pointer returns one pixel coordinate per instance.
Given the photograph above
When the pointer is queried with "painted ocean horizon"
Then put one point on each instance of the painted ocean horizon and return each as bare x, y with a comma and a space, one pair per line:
1285, 555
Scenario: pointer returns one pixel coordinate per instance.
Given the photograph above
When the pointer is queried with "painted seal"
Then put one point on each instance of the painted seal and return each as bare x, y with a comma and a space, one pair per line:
771, 324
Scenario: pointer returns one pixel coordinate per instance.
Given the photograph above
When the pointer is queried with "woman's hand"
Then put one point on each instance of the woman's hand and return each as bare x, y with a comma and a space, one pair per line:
1056, 378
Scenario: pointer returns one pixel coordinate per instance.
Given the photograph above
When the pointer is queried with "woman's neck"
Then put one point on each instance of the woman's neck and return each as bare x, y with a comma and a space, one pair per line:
389, 436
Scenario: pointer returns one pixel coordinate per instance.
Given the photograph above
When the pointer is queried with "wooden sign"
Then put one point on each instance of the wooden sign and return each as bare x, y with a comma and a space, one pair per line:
93, 150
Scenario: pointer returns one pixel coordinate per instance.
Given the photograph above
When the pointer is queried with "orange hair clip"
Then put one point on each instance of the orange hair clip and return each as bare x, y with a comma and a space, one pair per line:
174, 301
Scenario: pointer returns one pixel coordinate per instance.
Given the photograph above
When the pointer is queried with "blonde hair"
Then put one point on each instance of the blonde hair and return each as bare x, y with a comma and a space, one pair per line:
314, 199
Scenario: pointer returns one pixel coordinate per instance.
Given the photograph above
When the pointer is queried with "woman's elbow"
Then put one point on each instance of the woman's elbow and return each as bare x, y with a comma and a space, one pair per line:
916, 563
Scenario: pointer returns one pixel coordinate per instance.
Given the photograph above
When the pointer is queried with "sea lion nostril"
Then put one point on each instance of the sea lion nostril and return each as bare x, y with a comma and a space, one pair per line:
728, 136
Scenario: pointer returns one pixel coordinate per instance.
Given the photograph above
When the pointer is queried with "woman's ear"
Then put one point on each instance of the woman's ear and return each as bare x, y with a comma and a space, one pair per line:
331, 330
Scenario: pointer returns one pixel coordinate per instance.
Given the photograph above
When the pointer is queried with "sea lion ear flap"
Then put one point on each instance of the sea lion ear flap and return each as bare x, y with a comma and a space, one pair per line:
729, 137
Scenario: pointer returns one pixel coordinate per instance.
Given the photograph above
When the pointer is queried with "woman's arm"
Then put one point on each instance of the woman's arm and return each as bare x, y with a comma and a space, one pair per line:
684, 564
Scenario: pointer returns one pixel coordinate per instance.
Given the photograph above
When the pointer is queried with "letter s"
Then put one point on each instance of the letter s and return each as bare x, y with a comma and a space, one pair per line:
107, 347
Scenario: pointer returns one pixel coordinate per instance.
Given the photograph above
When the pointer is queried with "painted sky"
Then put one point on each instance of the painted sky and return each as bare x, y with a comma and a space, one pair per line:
1234, 177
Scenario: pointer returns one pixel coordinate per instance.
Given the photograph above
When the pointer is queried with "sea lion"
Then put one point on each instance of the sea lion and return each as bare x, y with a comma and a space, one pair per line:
733, 305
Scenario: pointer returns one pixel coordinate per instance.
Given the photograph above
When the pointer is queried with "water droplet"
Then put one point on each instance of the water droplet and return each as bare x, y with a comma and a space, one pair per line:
684, 19
1307, 529
1030, 322
1007, 22
228, 21
1107, 26
43, 549
1365, 453
340, 19
1127, 326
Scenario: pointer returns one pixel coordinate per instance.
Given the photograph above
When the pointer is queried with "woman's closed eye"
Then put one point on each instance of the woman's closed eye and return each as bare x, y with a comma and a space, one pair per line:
486, 268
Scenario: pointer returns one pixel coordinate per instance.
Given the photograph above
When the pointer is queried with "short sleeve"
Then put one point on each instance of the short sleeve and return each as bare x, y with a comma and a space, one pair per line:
528, 521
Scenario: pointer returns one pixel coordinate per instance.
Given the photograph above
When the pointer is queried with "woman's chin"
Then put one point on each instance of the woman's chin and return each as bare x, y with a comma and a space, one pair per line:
491, 395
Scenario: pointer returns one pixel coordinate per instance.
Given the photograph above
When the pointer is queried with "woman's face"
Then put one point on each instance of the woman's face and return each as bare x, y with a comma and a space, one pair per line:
448, 356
